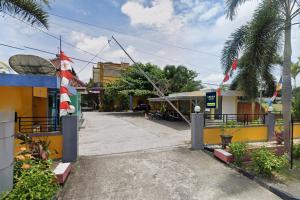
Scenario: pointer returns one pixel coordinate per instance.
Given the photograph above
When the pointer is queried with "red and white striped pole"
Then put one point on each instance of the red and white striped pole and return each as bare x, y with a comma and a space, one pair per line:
66, 76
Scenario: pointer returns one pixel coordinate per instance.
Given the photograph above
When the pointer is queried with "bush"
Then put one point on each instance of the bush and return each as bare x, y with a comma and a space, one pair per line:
296, 151
35, 181
265, 162
238, 150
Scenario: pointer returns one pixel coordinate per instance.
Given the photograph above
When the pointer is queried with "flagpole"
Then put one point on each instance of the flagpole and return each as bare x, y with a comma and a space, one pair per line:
59, 43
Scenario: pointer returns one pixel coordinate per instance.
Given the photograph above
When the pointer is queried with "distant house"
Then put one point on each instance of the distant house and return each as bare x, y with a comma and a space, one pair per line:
104, 73
186, 101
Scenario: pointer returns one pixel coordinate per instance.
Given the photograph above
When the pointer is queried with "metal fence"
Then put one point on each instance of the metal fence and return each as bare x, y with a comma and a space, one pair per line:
215, 120
38, 124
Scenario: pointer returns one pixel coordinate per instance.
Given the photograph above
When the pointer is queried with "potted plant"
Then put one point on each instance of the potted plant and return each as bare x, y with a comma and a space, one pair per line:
279, 131
227, 129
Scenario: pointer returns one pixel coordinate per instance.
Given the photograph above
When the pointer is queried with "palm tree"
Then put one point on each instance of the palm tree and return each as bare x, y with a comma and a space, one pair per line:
295, 70
287, 11
257, 42
28, 10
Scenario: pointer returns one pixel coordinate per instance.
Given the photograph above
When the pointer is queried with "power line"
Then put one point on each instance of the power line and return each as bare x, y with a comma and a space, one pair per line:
89, 62
158, 56
123, 33
94, 56
6, 45
43, 51
56, 37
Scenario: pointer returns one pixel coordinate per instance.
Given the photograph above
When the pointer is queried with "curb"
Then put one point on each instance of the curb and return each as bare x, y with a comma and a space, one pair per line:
282, 194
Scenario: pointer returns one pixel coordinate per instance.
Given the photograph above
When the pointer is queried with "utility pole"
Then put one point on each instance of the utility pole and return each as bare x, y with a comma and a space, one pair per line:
59, 44
161, 94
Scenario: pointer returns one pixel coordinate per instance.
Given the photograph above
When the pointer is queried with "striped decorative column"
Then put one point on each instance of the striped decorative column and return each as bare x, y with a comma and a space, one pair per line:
66, 76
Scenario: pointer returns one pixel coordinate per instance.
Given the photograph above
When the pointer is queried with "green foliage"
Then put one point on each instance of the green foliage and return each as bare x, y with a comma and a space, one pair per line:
238, 150
296, 151
36, 182
264, 162
29, 11
133, 82
181, 79
296, 103
258, 43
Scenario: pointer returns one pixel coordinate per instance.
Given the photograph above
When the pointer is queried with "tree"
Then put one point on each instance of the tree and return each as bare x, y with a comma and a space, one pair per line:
287, 11
181, 79
28, 10
132, 82
257, 42
295, 70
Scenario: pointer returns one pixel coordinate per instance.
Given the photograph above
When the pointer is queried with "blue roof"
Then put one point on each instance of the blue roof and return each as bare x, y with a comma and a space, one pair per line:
29, 80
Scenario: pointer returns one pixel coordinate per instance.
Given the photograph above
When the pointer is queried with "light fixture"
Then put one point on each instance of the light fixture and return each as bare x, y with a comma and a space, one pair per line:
270, 109
197, 109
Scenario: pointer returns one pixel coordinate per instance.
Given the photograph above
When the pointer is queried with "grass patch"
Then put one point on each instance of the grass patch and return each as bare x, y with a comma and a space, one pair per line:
288, 174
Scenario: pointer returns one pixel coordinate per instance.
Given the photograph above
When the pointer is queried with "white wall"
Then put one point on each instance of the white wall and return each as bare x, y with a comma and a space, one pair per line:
229, 105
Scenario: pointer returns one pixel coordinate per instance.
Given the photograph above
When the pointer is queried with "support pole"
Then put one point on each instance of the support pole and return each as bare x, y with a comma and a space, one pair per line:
70, 135
197, 129
161, 94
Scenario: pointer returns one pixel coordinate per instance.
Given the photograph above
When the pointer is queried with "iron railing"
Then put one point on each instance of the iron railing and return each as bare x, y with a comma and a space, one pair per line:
38, 124
215, 120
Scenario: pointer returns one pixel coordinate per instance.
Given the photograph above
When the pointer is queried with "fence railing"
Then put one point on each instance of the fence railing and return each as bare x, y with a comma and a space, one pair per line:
38, 124
215, 120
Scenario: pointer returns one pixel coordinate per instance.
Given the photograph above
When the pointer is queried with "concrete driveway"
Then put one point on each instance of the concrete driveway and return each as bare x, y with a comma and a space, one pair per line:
107, 133
146, 160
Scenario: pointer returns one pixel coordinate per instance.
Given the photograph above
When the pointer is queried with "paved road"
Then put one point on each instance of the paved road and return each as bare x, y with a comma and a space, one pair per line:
107, 133
159, 167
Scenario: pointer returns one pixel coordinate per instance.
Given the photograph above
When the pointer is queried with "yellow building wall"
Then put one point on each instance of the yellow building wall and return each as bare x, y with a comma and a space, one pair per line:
56, 145
296, 130
241, 134
18, 99
40, 92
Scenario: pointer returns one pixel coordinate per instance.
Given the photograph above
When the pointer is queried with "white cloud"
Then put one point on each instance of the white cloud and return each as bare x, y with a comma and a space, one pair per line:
158, 15
211, 13
88, 43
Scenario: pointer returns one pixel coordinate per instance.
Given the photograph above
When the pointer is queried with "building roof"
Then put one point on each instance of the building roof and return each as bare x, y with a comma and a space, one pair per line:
196, 94
29, 80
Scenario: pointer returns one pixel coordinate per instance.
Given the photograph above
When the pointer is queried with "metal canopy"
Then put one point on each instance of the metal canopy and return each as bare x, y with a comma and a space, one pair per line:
30, 64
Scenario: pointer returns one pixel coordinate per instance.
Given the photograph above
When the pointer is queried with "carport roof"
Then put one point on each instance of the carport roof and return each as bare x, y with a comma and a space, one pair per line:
196, 94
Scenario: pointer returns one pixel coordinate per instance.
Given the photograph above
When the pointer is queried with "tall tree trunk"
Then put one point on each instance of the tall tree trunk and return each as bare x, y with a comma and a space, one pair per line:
286, 81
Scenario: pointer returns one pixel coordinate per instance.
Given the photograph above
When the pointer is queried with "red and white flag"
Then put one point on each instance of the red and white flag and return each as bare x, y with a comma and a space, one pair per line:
66, 76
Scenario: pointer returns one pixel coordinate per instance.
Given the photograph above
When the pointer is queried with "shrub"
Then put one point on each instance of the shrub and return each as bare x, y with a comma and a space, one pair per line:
238, 150
35, 181
296, 151
264, 162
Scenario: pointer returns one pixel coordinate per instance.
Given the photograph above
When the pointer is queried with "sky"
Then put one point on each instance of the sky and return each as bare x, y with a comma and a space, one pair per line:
162, 32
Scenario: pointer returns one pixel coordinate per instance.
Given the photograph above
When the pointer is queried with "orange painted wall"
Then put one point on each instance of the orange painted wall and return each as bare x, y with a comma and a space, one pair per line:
241, 134
297, 130
40, 92
56, 145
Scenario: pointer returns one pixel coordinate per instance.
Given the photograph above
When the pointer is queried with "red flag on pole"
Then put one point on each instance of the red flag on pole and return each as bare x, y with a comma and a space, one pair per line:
63, 56
234, 64
219, 91
226, 78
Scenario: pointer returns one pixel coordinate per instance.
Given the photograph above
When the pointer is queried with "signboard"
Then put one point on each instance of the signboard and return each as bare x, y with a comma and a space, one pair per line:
211, 100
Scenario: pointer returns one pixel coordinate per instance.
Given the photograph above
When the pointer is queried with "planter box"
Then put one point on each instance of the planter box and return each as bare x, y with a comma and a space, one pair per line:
223, 155
62, 171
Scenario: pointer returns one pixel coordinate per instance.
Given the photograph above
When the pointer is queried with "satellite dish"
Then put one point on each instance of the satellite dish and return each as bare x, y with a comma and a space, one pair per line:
30, 64
5, 69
